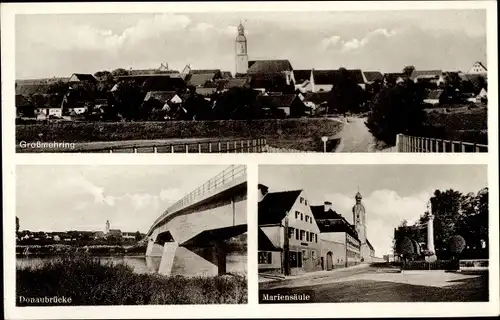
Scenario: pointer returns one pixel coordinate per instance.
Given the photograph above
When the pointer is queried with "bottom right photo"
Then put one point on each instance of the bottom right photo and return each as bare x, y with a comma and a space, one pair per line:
373, 233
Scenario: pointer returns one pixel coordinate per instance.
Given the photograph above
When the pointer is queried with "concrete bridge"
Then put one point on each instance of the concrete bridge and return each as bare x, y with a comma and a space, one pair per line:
194, 229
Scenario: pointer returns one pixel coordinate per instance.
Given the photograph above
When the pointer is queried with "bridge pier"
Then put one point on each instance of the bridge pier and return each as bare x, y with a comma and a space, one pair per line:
167, 258
154, 249
221, 258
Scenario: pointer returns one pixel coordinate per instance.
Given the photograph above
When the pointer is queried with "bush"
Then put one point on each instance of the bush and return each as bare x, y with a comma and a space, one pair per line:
88, 281
457, 244
406, 247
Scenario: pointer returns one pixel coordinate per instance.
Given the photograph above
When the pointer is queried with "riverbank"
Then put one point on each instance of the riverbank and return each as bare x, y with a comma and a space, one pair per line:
88, 281
64, 249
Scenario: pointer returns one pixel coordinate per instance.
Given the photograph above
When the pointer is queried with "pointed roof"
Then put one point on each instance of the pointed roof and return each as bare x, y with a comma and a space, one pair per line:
162, 96
274, 207
269, 66
372, 76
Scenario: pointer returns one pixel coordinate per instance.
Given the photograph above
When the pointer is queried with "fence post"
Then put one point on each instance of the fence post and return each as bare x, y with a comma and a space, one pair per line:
235, 146
462, 146
437, 145
155, 149
199, 147
172, 149
254, 144
242, 146
248, 145
452, 146
218, 146
227, 146
135, 149
427, 145
444, 145
110, 150
187, 148
210, 147
476, 148
399, 142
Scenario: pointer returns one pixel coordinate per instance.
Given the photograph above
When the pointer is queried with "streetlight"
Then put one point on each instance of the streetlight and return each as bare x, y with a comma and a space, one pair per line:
324, 139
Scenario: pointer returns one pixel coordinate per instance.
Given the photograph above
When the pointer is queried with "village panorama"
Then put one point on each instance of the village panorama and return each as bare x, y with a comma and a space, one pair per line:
264, 105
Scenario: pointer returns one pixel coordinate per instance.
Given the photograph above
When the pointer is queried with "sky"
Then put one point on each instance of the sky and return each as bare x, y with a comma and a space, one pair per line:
59, 45
62, 198
391, 193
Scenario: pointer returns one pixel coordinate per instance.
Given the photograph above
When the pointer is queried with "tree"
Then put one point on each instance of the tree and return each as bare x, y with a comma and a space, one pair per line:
138, 236
397, 110
119, 72
408, 70
128, 100
234, 102
457, 245
346, 95
406, 249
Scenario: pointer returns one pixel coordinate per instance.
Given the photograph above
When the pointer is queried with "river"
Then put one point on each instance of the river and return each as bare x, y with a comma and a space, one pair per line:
235, 263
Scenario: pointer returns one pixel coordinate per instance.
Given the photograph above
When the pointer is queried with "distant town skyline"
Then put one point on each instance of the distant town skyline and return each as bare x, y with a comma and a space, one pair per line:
59, 45
63, 198
391, 193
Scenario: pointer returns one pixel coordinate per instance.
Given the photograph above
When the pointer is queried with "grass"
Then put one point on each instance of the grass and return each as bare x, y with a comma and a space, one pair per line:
87, 281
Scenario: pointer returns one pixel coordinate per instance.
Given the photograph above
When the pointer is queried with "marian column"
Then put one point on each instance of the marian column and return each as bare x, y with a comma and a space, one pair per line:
430, 233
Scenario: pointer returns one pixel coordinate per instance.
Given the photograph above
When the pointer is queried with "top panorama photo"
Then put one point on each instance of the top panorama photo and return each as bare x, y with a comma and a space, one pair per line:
238, 82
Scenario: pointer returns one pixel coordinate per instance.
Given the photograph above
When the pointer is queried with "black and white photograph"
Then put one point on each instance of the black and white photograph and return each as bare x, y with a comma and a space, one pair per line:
131, 235
233, 82
363, 233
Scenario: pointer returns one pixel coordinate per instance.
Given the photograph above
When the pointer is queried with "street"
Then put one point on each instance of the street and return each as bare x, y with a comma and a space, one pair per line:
384, 284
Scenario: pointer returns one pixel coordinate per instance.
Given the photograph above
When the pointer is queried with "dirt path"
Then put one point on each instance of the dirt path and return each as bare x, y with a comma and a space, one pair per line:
355, 137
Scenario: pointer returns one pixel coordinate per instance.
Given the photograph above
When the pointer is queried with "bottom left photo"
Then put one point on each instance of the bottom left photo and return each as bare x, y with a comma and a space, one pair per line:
131, 235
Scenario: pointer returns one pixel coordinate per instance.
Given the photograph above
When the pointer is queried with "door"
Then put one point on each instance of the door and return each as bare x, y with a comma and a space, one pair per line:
299, 259
329, 260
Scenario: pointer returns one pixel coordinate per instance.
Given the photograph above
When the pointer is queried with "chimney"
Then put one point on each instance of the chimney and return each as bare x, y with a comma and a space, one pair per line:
262, 191
328, 206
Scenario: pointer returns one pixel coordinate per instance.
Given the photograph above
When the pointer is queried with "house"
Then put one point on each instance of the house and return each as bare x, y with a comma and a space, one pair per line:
224, 85
288, 234
324, 80
314, 100
163, 69
289, 104
303, 80
482, 96
47, 112
433, 96
433, 76
478, 68
268, 82
477, 82
165, 98
340, 245
373, 76
206, 93
82, 77
198, 78
280, 67
394, 78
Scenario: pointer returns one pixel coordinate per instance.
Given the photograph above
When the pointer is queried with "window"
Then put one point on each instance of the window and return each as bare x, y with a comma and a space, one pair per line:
299, 259
316, 238
291, 232
311, 236
307, 236
302, 234
301, 200
311, 220
307, 218
305, 202
265, 257
301, 216
304, 254
313, 254
293, 259
297, 234
297, 214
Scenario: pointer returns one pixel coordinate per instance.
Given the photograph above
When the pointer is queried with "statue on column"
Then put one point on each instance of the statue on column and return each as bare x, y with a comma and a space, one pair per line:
430, 235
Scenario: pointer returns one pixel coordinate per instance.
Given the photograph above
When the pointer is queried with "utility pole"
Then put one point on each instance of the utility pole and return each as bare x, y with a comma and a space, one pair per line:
286, 249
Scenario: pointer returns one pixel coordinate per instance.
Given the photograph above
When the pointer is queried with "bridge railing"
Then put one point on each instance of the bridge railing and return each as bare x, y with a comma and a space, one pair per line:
210, 146
406, 143
223, 178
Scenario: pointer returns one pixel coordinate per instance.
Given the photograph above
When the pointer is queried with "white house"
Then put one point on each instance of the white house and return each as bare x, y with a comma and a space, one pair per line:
477, 68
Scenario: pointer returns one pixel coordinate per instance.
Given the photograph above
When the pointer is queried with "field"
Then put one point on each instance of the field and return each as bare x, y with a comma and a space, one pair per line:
86, 281
303, 134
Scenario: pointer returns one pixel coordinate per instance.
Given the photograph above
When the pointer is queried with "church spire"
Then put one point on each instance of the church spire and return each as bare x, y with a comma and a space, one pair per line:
358, 197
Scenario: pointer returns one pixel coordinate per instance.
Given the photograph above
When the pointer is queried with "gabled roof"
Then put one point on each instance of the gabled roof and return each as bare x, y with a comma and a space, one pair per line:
393, 76
301, 75
161, 96
317, 97
162, 83
331, 221
274, 207
269, 66
369, 245
433, 94
426, 74
205, 71
84, 77
373, 76
267, 80
480, 64
323, 77
138, 72
206, 92
277, 101
320, 213
199, 79
30, 89
265, 243
236, 83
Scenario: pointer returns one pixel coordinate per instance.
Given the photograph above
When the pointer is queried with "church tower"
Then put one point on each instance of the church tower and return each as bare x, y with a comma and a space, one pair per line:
107, 226
241, 51
359, 218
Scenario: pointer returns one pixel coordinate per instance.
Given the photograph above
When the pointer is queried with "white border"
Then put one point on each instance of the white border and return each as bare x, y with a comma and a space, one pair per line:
8, 12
